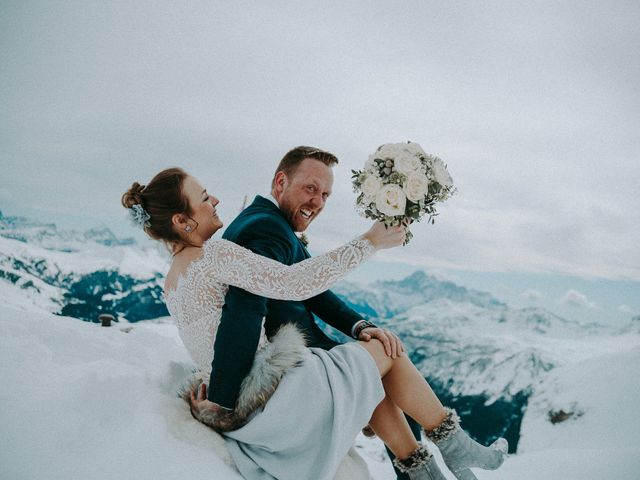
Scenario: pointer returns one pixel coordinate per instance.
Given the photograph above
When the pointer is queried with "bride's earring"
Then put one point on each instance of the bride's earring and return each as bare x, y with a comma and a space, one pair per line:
188, 229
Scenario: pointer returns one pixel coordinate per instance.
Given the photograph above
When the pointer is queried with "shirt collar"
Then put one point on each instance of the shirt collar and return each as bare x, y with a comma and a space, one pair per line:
272, 198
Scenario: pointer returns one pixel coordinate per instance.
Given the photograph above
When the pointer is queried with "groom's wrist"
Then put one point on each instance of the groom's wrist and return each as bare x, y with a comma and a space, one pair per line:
359, 326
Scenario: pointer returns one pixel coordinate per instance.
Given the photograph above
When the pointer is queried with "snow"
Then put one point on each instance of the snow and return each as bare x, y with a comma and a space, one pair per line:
602, 394
84, 401
600, 439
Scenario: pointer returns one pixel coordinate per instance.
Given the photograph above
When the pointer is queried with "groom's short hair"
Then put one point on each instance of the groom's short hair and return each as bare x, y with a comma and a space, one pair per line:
295, 156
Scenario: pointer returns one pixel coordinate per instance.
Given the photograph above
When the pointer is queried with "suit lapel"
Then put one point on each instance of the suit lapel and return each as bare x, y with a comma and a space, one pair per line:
304, 249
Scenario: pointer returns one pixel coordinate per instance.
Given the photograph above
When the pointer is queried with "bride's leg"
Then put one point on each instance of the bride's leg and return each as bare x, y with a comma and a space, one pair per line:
390, 425
406, 387
413, 459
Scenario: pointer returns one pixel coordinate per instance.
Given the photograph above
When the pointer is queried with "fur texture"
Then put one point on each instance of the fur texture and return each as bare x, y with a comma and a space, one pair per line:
449, 425
285, 351
420, 457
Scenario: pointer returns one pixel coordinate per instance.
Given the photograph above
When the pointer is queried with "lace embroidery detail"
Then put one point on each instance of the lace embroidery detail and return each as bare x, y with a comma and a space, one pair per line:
197, 301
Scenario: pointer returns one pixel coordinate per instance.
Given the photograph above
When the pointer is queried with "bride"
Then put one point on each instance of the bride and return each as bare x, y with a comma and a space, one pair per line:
300, 408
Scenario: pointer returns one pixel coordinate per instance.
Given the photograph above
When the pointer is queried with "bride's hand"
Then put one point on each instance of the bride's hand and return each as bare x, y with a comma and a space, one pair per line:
385, 237
200, 402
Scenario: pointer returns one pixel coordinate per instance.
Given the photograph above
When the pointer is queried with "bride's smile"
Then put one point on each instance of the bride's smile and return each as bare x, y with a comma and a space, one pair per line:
204, 220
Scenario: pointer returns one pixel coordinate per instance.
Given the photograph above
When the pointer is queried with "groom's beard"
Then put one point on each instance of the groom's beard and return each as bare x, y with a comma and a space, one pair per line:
295, 216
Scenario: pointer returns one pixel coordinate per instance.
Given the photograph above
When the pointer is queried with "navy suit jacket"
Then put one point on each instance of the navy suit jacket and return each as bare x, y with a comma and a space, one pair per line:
262, 228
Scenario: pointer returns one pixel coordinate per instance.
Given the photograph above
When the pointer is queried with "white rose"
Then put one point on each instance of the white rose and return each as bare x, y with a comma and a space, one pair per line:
370, 164
407, 164
388, 150
440, 173
370, 187
416, 187
391, 200
414, 149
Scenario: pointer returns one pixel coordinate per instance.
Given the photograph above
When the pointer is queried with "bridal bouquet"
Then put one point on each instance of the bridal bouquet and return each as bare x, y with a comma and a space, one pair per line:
400, 183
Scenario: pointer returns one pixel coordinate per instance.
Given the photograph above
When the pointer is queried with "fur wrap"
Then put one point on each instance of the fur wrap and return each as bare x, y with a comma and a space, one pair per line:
285, 351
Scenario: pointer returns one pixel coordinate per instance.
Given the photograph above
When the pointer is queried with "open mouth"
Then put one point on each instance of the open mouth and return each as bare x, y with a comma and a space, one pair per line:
306, 214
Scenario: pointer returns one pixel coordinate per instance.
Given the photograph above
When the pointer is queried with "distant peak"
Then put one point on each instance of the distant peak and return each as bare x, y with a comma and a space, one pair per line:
49, 236
413, 281
417, 276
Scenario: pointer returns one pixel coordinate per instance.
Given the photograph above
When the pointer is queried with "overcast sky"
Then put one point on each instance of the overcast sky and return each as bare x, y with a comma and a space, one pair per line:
534, 106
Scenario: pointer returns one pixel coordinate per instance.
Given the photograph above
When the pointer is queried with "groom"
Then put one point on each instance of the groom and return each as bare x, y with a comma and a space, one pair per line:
300, 188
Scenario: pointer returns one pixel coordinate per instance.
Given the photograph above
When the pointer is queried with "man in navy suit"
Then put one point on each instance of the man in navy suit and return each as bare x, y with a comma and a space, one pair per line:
299, 190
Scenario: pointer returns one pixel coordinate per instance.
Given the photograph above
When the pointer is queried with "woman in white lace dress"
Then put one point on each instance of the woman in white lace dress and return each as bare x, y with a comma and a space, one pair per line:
300, 408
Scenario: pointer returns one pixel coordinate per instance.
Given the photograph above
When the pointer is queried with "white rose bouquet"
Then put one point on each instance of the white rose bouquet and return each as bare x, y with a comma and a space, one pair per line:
400, 183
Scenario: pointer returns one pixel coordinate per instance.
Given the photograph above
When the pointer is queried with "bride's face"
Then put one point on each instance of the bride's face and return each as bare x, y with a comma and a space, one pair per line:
203, 208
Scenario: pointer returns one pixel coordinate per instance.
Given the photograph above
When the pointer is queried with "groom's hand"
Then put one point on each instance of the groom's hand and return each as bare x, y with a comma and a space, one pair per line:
393, 347
199, 401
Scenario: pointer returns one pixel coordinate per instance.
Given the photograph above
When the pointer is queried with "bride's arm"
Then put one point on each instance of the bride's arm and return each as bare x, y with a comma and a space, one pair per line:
237, 266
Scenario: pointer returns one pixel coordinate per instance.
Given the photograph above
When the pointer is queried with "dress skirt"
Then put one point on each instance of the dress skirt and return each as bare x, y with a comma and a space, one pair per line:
312, 419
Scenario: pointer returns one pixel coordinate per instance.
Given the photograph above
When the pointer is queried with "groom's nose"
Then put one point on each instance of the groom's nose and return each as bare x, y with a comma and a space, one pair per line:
318, 201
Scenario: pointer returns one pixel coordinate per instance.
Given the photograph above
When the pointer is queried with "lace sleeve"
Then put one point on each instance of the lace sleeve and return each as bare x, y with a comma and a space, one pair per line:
234, 265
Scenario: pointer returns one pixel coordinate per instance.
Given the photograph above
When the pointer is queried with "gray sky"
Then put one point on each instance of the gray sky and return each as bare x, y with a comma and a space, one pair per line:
533, 105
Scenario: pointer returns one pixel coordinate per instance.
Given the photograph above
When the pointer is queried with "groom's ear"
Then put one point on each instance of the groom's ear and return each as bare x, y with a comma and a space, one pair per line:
280, 181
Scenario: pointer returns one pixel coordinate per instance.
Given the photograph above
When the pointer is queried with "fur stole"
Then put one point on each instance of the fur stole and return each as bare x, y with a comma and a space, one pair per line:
285, 351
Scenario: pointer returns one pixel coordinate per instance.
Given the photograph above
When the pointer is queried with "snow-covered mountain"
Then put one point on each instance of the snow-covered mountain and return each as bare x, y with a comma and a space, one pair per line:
48, 235
386, 299
481, 356
470, 339
79, 274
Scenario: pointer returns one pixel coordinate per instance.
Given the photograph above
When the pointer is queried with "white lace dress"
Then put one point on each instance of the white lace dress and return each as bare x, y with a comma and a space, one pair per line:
310, 422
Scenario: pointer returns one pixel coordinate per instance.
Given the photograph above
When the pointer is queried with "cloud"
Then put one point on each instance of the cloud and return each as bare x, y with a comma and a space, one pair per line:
532, 295
625, 309
575, 298
523, 103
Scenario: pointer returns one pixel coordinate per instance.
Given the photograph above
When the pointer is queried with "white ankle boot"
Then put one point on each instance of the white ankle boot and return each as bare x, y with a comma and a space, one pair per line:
420, 465
460, 452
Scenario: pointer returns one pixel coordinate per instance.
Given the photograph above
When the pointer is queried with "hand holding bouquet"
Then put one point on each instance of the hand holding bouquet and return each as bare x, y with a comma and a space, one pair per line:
400, 183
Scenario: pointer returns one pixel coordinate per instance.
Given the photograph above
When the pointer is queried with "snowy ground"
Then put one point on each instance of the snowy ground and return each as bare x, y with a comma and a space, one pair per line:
83, 401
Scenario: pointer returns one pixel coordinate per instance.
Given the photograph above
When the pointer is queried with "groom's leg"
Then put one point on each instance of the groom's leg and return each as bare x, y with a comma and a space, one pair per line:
416, 429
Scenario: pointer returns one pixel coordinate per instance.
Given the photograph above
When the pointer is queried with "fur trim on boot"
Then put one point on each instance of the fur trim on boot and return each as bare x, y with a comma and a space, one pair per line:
285, 351
449, 425
420, 465
421, 456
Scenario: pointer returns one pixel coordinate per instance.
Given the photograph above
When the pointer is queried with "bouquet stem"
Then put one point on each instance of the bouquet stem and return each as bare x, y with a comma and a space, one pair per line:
408, 235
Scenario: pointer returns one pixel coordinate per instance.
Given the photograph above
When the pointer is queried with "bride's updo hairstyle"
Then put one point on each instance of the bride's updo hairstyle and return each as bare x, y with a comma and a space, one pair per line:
161, 199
